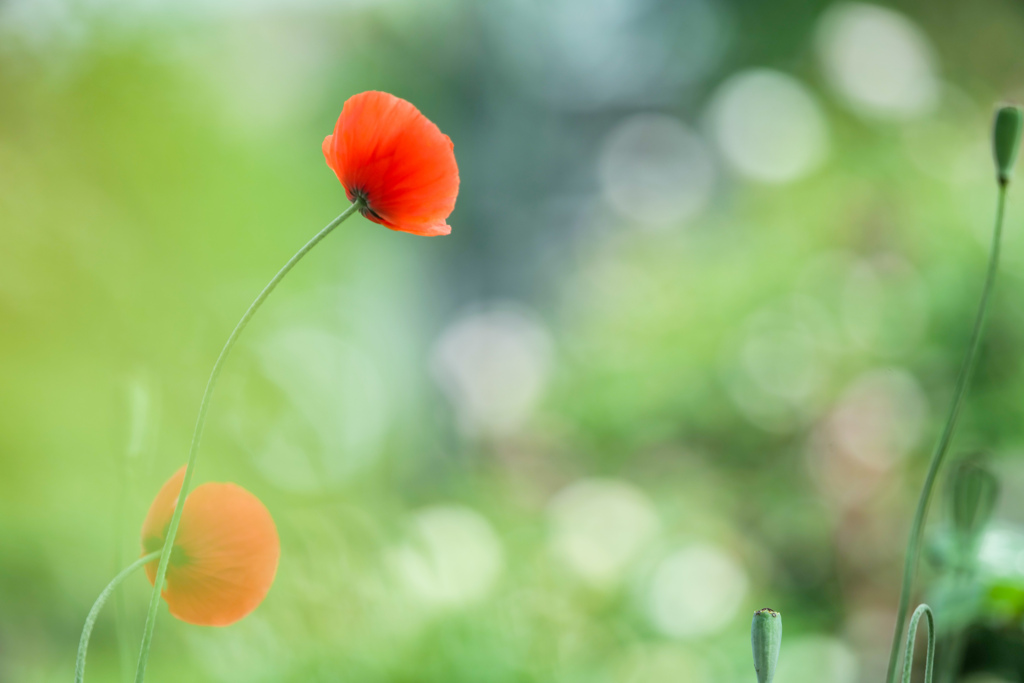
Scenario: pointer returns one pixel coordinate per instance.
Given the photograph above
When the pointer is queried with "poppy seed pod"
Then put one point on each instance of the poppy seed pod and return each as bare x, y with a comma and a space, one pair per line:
1006, 132
766, 641
973, 494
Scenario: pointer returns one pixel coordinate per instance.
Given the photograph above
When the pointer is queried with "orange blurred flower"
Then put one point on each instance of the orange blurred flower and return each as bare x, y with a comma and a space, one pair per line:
224, 556
385, 152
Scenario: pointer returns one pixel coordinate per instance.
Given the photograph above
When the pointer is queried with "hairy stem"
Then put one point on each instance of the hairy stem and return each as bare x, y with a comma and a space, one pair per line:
90, 620
172, 529
962, 381
908, 652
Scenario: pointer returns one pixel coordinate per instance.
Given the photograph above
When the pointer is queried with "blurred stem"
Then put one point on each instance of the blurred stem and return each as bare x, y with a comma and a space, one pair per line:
953, 645
138, 404
172, 528
962, 380
954, 654
90, 621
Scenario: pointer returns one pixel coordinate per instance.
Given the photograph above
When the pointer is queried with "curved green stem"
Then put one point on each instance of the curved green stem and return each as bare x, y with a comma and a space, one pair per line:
908, 652
172, 528
962, 381
90, 620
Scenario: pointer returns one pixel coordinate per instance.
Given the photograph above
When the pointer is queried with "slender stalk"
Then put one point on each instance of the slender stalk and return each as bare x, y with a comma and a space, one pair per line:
90, 620
954, 654
953, 647
962, 381
908, 653
172, 529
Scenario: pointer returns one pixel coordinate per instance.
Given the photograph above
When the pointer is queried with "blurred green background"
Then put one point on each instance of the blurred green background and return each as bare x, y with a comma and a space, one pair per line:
684, 355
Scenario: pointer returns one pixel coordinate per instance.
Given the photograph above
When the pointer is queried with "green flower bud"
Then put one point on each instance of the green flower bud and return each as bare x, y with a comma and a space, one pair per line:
766, 640
1006, 132
973, 494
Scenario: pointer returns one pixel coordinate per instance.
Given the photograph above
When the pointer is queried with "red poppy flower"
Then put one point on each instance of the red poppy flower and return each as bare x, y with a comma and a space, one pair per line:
225, 553
388, 154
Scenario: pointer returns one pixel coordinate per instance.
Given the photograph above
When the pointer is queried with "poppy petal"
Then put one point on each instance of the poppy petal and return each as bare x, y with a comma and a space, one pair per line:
154, 528
427, 230
230, 553
225, 554
385, 151
328, 147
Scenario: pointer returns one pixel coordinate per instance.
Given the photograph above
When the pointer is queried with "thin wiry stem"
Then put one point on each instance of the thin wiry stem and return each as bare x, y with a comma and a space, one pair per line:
90, 620
962, 381
908, 652
172, 528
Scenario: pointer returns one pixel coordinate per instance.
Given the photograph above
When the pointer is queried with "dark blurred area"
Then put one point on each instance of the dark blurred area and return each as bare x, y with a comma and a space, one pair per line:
685, 354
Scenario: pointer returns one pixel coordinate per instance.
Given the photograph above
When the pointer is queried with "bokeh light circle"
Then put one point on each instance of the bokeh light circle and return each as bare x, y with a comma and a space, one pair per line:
493, 366
814, 658
879, 61
599, 526
655, 170
453, 556
695, 591
768, 126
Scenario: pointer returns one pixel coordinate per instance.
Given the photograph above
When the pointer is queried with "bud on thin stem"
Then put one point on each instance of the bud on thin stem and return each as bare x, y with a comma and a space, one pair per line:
1006, 131
766, 640
973, 497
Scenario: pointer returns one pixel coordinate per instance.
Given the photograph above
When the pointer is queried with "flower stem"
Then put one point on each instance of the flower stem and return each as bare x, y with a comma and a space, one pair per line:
172, 528
90, 621
908, 653
962, 380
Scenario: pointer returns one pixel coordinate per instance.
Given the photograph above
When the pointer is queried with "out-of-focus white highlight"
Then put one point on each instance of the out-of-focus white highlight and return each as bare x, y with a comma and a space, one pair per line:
1001, 551
452, 558
599, 526
493, 365
768, 126
695, 592
878, 61
817, 658
655, 170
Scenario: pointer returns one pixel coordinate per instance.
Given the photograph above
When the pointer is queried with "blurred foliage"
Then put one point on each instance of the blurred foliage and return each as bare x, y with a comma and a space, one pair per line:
577, 440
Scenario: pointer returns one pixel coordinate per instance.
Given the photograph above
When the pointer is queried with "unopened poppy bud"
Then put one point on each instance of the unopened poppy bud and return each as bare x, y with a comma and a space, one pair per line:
973, 497
1006, 131
766, 640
